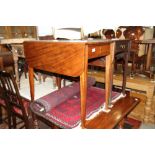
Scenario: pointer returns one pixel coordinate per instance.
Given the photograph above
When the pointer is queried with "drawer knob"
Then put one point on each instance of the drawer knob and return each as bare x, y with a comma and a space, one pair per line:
122, 46
93, 50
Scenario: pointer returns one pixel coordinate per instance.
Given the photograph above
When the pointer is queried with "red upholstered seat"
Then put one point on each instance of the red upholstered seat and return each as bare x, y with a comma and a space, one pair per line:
17, 106
67, 113
26, 104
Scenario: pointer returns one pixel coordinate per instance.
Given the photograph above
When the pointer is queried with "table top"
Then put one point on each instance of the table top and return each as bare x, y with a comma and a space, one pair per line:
81, 41
148, 41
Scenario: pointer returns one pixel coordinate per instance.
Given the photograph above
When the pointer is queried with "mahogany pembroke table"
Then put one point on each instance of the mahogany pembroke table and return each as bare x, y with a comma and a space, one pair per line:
70, 58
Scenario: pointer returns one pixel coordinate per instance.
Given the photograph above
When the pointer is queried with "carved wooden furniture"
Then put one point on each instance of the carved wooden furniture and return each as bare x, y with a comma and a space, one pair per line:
150, 57
6, 60
19, 107
144, 85
133, 33
8, 32
122, 48
71, 58
17, 51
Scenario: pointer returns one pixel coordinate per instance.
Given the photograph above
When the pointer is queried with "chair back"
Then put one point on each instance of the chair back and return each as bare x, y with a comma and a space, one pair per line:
2, 94
13, 98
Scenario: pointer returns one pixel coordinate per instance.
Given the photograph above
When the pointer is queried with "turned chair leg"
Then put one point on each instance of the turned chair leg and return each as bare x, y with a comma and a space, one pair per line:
14, 121
9, 120
35, 121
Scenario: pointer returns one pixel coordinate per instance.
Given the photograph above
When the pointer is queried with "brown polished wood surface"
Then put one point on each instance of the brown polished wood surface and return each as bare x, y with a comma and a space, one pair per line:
56, 57
109, 120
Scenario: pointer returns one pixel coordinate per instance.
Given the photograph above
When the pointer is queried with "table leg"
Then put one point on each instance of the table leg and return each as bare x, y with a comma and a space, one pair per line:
58, 82
83, 90
1, 63
109, 77
125, 72
31, 81
15, 57
149, 55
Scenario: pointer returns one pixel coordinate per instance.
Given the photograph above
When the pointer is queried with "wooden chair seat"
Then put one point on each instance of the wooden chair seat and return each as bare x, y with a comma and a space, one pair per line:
65, 113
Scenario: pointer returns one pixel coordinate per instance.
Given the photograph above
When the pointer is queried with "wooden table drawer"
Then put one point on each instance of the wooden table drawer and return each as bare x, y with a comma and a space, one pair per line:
105, 49
121, 46
97, 51
94, 51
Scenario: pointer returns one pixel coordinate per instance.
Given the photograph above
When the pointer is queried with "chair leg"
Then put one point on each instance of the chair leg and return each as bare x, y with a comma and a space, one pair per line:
35, 121
9, 120
14, 121
26, 124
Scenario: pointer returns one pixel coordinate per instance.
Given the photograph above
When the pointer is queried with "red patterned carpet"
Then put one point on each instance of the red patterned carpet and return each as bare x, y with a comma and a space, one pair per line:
130, 123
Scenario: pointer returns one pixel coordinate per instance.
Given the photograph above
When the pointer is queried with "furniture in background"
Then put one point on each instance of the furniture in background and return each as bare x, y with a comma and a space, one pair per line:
6, 61
18, 53
68, 33
122, 48
136, 34
10, 32
71, 58
150, 57
18, 106
137, 84
6, 115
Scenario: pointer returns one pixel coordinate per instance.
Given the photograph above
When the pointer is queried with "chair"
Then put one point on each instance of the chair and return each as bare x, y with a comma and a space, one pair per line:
19, 106
4, 105
6, 61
